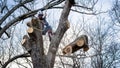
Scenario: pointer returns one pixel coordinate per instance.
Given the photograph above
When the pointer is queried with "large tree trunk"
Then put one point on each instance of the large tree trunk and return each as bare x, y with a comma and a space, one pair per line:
34, 44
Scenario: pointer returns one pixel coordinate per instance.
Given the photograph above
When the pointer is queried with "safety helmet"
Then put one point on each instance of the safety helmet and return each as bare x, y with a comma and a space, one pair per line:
40, 13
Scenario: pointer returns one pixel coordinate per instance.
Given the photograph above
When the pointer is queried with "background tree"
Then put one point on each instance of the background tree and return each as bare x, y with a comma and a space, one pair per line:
114, 13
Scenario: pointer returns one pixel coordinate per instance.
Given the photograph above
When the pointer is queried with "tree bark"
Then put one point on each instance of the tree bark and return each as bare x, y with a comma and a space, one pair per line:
80, 42
34, 44
62, 28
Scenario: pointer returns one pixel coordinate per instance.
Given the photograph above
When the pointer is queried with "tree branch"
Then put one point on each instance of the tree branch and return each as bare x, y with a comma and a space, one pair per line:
24, 16
5, 33
62, 28
92, 13
78, 43
12, 10
16, 20
14, 58
26, 8
83, 7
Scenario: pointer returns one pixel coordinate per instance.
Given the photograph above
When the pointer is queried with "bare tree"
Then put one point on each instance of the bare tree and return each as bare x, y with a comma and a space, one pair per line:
115, 11
35, 41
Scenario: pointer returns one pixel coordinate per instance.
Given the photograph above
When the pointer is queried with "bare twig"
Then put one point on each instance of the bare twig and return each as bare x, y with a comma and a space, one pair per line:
26, 8
12, 10
87, 13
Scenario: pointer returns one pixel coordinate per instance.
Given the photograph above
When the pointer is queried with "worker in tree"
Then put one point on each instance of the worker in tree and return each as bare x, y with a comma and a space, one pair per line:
45, 25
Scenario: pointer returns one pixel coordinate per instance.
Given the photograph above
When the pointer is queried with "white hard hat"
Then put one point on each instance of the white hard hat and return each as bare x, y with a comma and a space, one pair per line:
40, 12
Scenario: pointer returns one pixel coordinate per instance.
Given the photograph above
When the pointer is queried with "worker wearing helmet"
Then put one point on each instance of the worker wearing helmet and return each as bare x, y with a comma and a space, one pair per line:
45, 25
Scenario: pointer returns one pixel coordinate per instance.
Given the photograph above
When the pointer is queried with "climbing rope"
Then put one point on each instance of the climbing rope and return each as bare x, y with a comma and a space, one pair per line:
37, 29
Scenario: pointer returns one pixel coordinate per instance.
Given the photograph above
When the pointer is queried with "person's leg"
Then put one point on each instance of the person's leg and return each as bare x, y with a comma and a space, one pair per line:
44, 31
50, 34
49, 30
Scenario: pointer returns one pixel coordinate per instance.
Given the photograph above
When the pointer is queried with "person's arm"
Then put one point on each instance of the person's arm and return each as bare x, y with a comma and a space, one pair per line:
45, 22
44, 16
